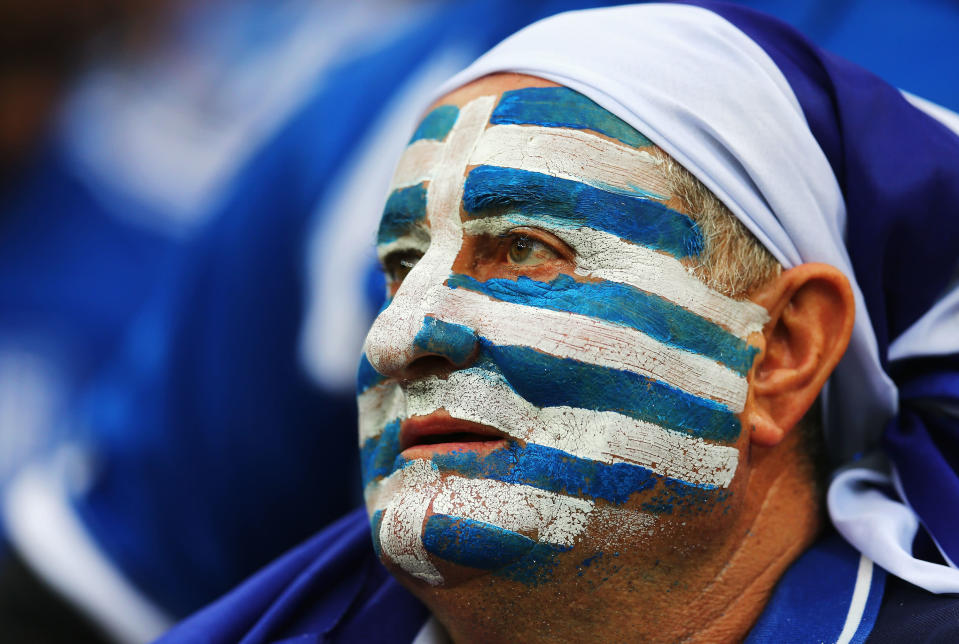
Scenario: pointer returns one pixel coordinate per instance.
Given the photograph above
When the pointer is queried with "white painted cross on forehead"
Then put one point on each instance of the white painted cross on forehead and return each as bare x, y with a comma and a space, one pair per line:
445, 175
559, 152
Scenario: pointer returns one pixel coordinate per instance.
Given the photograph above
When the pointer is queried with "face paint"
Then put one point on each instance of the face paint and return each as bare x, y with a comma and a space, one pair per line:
562, 107
603, 395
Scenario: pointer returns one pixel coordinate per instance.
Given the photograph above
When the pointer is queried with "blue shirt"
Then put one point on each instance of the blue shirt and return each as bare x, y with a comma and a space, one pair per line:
333, 589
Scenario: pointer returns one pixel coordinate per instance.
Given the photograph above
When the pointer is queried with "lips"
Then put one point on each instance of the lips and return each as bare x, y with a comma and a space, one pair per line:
439, 433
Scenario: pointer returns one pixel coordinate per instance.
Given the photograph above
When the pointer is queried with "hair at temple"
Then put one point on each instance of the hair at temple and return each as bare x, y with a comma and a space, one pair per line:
735, 263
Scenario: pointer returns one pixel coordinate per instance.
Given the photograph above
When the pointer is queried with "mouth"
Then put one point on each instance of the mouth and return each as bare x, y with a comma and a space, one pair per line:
439, 433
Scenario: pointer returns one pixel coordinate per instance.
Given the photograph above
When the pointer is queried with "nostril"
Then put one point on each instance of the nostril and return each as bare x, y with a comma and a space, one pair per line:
435, 346
431, 365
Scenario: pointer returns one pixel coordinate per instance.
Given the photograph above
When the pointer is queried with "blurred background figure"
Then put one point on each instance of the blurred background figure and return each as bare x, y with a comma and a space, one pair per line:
164, 435
188, 197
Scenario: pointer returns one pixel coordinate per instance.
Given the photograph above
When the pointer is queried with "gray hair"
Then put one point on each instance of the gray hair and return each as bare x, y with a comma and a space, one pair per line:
733, 261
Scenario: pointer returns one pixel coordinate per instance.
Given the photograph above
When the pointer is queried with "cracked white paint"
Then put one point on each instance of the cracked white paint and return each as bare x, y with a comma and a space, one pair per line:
587, 339
571, 154
604, 436
601, 255
407, 496
402, 524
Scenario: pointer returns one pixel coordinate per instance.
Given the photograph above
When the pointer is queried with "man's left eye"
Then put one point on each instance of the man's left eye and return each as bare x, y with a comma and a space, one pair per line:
526, 251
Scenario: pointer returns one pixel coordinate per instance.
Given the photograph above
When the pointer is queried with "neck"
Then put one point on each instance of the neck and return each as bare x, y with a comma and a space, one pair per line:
785, 525
712, 591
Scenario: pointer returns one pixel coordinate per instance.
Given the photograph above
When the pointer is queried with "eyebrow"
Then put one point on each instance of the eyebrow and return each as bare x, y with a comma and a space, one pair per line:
489, 190
563, 107
405, 208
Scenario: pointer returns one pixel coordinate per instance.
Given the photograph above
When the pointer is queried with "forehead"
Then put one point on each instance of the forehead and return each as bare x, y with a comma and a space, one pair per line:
527, 100
529, 140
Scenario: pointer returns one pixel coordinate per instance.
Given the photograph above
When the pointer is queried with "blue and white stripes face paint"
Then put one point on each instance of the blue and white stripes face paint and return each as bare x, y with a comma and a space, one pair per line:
542, 309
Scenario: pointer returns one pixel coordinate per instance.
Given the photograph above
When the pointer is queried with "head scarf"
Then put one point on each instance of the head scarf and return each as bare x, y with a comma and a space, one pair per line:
823, 162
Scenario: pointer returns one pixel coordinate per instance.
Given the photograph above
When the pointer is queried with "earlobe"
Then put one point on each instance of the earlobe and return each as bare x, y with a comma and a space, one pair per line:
812, 310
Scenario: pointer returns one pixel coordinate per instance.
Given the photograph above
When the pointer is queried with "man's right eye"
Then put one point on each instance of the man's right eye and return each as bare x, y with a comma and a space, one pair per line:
398, 265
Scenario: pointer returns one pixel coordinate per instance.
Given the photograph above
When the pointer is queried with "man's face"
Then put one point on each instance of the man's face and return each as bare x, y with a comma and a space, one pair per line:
549, 386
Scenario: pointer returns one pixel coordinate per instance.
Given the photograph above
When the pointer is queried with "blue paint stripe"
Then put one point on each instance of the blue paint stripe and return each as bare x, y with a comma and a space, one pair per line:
453, 341
623, 305
548, 381
378, 454
375, 522
473, 543
563, 107
547, 468
489, 190
489, 547
536, 566
405, 208
437, 124
367, 376
679, 497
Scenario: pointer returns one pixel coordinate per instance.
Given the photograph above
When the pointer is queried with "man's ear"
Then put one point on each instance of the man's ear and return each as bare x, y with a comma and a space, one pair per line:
811, 310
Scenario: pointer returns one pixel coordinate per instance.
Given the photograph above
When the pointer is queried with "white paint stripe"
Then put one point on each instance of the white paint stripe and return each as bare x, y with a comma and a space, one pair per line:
579, 337
608, 437
551, 518
417, 163
402, 526
416, 240
857, 605
378, 406
339, 250
446, 189
571, 154
605, 256
389, 344
554, 518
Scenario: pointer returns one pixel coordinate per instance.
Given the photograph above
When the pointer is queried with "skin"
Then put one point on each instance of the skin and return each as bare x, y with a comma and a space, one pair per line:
702, 573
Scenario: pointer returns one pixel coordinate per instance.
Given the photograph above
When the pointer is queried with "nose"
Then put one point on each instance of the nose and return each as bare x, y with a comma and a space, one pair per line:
405, 343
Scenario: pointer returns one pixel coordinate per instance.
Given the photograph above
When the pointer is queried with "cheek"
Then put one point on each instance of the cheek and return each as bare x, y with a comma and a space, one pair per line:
382, 407
378, 455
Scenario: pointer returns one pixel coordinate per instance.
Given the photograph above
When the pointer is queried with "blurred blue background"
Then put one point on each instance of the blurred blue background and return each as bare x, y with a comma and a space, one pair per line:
188, 197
